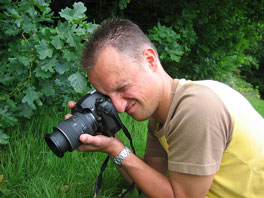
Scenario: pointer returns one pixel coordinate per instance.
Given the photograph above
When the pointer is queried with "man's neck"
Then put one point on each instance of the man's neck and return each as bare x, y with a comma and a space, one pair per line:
165, 102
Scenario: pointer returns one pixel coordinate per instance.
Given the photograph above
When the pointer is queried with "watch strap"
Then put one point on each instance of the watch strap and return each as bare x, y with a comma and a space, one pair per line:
121, 156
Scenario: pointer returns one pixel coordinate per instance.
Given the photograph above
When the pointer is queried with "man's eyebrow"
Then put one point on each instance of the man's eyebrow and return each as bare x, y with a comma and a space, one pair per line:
121, 86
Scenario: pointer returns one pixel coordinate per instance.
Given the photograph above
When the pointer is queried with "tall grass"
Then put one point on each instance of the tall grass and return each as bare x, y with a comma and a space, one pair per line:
30, 169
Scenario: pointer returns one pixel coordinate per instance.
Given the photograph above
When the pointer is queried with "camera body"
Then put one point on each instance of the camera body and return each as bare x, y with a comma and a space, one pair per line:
93, 113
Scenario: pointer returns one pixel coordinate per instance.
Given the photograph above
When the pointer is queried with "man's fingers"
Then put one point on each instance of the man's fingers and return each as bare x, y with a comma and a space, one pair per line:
96, 141
67, 116
71, 104
84, 139
90, 143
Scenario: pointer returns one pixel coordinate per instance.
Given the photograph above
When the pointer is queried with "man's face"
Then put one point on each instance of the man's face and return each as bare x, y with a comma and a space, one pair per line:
132, 86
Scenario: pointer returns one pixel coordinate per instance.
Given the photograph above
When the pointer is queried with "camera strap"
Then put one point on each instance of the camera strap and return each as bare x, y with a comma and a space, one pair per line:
98, 182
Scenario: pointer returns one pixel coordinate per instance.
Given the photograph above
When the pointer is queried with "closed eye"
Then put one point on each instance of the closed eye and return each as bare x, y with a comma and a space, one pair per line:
122, 88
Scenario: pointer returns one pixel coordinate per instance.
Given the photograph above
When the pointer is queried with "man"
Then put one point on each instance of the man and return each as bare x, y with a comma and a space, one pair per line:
204, 133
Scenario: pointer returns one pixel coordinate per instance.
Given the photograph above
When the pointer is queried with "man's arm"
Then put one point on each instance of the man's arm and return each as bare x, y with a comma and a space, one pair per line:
160, 164
154, 184
150, 181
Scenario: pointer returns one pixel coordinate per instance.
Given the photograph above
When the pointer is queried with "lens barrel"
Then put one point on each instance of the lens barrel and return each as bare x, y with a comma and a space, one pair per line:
58, 143
65, 136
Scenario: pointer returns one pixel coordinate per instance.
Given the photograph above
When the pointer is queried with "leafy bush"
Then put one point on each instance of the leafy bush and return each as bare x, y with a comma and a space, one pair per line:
255, 73
40, 59
206, 39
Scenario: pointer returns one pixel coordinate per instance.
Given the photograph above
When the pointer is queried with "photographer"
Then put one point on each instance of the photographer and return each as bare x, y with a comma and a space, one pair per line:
203, 134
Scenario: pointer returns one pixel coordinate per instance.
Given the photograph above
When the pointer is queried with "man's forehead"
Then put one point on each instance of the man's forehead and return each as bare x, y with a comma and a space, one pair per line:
107, 56
105, 82
112, 70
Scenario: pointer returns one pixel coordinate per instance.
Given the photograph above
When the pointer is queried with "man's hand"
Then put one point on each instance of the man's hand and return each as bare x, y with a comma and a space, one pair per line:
101, 143
98, 143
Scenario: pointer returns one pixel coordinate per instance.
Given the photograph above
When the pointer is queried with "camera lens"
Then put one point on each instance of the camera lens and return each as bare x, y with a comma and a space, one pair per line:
65, 136
58, 143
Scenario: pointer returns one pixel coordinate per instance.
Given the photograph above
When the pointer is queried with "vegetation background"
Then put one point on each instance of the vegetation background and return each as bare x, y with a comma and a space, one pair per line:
41, 42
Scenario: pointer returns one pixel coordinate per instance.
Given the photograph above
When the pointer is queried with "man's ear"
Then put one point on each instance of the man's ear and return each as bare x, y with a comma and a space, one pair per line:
150, 57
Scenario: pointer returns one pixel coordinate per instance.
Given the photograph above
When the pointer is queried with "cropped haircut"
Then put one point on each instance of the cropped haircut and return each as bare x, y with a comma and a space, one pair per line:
121, 34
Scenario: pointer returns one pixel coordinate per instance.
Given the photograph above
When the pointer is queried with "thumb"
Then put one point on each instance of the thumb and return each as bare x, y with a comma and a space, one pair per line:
84, 138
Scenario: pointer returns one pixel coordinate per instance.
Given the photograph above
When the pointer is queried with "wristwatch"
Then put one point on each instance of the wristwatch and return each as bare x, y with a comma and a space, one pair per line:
121, 157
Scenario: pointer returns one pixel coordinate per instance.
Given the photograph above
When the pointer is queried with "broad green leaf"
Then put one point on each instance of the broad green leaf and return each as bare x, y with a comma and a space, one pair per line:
57, 43
74, 14
91, 27
62, 67
25, 60
44, 50
48, 89
42, 5
42, 74
72, 39
70, 56
31, 97
31, 11
12, 104
61, 29
13, 12
25, 110
3, 138
78, 82
7, 118
49, 65
12, 31
80, 10
67, 13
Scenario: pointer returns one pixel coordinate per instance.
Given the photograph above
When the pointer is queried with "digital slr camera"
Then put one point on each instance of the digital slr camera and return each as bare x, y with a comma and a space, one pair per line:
93, 113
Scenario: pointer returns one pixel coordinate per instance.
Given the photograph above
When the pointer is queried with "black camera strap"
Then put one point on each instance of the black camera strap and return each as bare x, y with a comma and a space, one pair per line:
98, 182
126, 132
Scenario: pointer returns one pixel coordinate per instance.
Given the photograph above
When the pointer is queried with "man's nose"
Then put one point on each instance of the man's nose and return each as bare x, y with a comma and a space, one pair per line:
119, 102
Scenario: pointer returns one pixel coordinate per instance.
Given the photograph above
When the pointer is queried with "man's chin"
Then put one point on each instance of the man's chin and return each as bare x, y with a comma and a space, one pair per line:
138, 118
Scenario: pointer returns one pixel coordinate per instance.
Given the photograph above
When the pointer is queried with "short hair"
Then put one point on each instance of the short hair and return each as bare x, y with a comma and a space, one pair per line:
122, 34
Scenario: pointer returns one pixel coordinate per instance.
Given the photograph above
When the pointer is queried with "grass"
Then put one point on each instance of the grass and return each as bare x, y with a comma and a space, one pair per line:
30, 169
249, 92
256, 102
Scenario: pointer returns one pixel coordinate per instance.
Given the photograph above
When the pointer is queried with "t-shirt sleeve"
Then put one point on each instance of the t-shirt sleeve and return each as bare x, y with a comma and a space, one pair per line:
153, 146
198, 132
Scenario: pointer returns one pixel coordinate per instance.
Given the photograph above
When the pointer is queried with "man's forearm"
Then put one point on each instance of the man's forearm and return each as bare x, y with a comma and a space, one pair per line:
151, 182
158, 163
123, 172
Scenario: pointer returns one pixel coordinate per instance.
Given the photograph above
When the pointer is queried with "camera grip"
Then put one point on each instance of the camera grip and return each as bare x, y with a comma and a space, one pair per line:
108, 113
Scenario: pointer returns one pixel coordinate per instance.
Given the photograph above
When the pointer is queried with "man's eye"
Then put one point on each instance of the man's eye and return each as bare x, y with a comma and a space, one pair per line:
123, 88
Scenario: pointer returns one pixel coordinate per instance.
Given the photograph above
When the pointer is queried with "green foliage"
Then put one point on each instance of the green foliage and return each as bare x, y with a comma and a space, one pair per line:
255, 73
195, 39
40, 59
167, 39
248, 91
123, 4
211, 37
